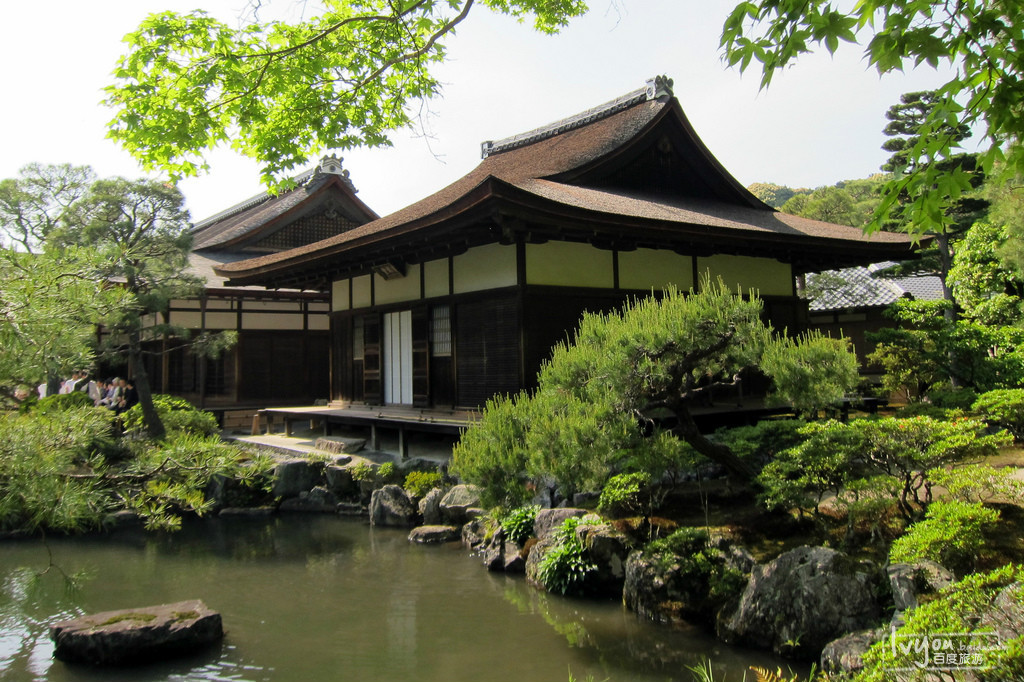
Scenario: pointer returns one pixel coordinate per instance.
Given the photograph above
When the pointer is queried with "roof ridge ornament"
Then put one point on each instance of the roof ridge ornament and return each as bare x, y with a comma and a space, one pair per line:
330, 165
654, 88
659, 86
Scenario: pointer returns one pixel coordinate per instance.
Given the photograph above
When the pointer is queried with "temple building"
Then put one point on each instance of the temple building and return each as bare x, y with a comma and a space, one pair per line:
282, 353
461, 295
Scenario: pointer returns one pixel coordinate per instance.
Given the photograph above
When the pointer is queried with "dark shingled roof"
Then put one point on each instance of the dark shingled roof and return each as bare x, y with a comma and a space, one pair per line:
262, 214
584, 179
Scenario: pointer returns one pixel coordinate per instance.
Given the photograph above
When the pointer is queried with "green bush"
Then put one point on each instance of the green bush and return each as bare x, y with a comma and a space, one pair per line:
363, 471
958, 609
953, 398
763, 440
175, 475
901, 451
701, 570
623, 493
812, 373
1005, 408
492, 453
980, 483
37, 451
419, 483
62, 401
952, 533
822, 464
681, 542
386, 473
923, 409
518, 524
177, 415
566, 567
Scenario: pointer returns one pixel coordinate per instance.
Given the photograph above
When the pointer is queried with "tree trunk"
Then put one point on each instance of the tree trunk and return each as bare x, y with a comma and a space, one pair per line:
150, 417
950, 313
716, 452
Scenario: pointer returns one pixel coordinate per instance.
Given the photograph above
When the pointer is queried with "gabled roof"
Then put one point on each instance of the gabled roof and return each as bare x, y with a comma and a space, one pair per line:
857, 287
326, 187
630, 173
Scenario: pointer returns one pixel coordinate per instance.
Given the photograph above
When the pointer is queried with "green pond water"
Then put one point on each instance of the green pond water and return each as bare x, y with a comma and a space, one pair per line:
311, 598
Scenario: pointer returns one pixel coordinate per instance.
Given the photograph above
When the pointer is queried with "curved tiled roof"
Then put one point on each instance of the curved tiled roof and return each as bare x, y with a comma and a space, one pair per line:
563, 172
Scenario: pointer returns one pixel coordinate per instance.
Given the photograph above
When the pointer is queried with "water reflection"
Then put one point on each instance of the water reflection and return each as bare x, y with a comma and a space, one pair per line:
311, 598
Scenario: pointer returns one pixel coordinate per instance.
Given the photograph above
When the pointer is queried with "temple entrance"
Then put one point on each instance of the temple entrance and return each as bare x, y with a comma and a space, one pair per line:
397, 350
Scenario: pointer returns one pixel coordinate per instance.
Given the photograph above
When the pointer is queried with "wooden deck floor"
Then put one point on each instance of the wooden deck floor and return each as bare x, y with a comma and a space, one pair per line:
404, 420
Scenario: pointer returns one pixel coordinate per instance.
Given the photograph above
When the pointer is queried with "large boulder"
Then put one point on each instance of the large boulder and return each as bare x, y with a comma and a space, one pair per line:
909, 581
550, 520
317, 499
340, 482
457, 502
137, 635
803, 600
692, 586
294, 476
846, 654
608, 549
501, 554
533, 560
392, 506
474, 532
430, 507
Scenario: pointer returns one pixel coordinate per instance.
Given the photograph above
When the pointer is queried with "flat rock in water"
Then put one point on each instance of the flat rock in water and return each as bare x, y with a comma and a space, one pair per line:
137, 635
426, 535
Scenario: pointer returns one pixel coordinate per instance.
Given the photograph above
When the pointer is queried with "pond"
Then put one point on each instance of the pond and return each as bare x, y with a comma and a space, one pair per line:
309, 598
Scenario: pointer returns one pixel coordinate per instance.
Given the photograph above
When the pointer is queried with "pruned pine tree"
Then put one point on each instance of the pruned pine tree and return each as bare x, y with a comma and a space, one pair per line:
621, 393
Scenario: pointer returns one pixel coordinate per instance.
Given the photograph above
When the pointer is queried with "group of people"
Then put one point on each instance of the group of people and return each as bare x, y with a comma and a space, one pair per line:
116, 394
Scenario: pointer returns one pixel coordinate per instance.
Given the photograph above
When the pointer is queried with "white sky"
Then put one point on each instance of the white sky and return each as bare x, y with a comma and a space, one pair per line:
819, 122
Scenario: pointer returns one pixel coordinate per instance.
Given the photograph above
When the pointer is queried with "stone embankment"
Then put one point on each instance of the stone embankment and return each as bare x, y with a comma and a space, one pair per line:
810, 603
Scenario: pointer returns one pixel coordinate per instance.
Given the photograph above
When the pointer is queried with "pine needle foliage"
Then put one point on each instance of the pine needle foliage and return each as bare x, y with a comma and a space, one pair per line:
617, 397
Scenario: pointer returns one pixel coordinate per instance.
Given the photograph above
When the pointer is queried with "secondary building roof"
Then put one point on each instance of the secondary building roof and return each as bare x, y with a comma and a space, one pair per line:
630, 173
263, 222
857, 287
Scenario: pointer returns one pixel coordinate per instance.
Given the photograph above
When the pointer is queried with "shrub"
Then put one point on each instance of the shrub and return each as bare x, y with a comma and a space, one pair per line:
952, 533
386, 473
801, 476
958, 609
980, 483
37, 451
1005, 408
812, 373
419, 483
492, 453
566, 567
518, 524
624, 493
901, 450
177, 414
701, 570
60, 402
177, 473
953, 398
363, 471
764, 440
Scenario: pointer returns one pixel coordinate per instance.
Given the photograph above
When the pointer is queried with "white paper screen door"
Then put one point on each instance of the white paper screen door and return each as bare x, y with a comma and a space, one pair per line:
397, 347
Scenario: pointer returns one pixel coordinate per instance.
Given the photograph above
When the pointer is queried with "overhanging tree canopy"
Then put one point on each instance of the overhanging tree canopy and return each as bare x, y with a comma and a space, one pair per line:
283, 92
980, 40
